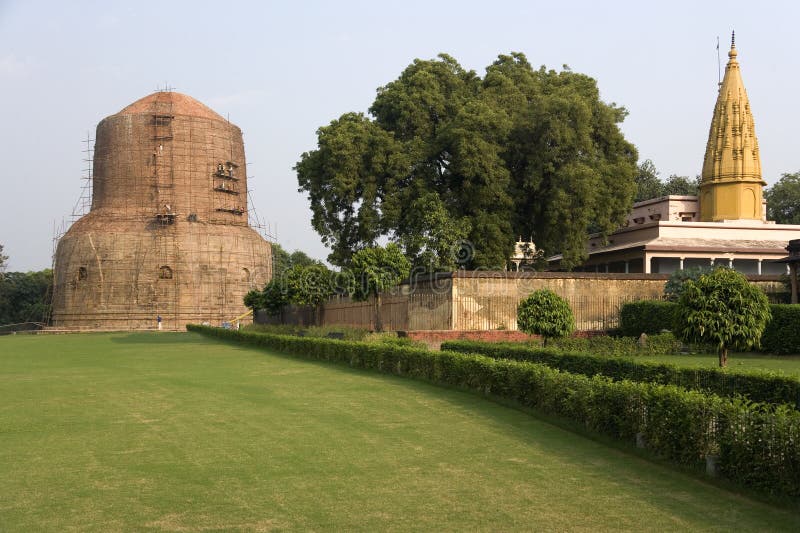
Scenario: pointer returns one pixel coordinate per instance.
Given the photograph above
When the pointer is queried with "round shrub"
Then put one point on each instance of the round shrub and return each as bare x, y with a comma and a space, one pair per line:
547, 314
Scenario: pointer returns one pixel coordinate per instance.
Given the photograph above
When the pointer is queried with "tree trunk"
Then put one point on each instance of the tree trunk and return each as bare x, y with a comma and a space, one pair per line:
544, 342
378, 321
723, 357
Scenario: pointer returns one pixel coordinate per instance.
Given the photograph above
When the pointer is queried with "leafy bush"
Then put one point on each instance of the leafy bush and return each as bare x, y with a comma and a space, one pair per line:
646, 316
757, 446
724, 310
547, 314
757, 386
782, 335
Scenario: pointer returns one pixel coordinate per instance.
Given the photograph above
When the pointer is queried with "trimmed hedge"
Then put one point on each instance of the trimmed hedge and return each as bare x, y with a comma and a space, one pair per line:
657, 344
646, 316
782, 335
757, 446
766, 387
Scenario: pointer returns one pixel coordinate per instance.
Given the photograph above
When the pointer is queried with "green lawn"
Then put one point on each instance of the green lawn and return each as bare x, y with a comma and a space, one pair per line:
789, 365
175, 432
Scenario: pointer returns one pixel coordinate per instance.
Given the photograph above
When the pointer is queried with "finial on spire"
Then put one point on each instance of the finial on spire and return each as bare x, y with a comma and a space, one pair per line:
733, 40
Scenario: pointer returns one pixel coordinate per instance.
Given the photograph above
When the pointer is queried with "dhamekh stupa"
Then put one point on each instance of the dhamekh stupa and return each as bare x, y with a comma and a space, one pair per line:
167, 234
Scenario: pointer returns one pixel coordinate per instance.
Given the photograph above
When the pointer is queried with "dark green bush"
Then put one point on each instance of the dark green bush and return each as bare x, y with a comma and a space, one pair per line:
765, 387
782, 335
646, 316
757, 446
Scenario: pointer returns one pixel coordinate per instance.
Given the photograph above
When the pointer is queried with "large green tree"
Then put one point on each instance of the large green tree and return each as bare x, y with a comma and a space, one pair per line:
783, 200
519, 151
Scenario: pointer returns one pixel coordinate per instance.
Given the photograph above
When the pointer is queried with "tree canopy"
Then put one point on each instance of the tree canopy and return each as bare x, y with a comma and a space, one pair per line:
518, 152
783, 199
649, 185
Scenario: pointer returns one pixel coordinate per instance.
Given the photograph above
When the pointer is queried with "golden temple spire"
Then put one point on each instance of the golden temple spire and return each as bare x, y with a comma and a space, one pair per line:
731, 184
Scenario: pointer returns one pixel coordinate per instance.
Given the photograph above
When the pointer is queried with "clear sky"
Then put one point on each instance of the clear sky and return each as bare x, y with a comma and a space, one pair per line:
280, 70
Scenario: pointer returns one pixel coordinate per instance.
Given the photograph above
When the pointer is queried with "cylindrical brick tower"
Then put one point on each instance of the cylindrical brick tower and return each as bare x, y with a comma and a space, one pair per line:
167, 235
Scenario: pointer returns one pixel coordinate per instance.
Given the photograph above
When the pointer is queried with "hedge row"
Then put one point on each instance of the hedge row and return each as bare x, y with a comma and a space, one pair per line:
781, 336
766, 387
646, 316
757, 446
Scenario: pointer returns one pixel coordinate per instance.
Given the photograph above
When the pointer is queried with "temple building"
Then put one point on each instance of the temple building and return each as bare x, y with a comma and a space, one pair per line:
726, 224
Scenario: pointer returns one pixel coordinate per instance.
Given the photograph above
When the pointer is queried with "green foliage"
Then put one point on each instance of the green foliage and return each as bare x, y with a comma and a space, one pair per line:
759, 386
783, 199
447, 155
377, 269
649, 186
677, 281
545, 313
757, 444
782, 334
3, 259
646, 316
657, 344
722, 309
433, 238
319, 332
308, 285
282, 260
253, 299
681, 186
25, 296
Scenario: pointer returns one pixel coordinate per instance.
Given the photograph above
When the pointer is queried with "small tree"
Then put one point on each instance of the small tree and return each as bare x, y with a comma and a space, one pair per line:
547, 314
677, 281
723, 310
375, 270
309, 285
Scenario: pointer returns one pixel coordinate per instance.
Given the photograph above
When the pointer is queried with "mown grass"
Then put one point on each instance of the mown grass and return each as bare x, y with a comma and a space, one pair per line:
174, 432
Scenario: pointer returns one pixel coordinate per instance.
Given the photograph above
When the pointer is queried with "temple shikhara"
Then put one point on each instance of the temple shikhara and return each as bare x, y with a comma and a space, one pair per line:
726, 224
167, 241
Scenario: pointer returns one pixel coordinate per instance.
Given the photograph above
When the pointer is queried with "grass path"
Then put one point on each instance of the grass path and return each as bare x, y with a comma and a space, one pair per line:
174, 432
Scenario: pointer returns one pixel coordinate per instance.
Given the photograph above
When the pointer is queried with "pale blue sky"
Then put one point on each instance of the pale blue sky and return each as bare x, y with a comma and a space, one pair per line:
280, 70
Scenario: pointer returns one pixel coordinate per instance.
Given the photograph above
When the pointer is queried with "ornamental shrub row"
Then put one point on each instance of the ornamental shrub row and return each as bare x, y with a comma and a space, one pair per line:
781, 336
657, 344
765, 387
757, 446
